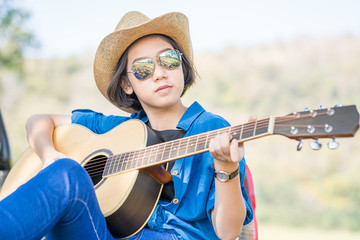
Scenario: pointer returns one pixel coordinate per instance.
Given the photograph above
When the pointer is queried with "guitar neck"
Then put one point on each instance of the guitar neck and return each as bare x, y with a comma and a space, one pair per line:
184, 147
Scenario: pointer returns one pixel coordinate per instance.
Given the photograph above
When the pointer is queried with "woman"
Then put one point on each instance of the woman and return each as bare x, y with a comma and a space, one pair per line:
143, 67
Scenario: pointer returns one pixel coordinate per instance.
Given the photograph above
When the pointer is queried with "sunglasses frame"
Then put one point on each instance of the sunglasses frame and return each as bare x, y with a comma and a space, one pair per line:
133, 70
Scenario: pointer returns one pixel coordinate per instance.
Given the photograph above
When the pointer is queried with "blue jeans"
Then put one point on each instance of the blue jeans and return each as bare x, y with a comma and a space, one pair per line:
59, 203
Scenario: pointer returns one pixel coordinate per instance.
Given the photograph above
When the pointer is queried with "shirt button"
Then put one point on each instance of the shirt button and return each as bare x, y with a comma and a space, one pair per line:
176, 201
175, 172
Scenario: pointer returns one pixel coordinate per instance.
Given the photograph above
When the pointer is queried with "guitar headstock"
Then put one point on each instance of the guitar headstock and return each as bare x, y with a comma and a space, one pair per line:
339, 121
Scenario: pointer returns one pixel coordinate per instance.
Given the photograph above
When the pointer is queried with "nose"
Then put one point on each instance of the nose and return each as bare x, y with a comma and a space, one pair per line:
159, 73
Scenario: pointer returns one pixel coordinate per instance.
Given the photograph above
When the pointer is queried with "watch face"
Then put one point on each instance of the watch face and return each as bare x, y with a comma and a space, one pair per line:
222, 176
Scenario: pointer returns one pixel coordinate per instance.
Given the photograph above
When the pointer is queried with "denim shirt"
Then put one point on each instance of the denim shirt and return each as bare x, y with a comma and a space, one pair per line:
188, 215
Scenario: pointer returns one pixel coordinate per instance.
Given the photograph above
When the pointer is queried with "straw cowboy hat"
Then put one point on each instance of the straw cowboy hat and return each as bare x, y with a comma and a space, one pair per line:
132, 26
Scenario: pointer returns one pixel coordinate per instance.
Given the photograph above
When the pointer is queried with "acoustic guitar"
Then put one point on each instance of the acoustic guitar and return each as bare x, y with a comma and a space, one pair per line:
126, 163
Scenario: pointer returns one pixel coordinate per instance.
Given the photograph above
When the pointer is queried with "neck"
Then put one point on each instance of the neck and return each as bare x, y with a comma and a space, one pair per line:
166, 118
183, 147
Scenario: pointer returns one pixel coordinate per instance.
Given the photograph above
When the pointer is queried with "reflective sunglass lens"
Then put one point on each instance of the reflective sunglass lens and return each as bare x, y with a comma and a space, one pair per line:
170, 59
143, 69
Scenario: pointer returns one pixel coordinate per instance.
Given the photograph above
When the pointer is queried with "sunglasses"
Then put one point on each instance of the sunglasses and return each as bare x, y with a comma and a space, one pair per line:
144, 69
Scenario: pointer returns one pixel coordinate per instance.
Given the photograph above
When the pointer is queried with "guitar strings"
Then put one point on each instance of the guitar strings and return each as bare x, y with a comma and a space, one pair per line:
129, 160
128, 157
185, 141
212, 133
122, 158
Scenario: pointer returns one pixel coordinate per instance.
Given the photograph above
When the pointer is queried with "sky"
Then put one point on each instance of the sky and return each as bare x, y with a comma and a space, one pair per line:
69, 27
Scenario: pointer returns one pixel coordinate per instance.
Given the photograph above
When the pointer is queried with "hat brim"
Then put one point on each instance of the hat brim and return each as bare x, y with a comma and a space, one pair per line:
174, 25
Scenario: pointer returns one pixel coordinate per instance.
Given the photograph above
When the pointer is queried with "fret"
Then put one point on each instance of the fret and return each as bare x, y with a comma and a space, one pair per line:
118, 159
167, 149
146, 159
262, 127
106, 168
192, 147
206, 140
228, 130
162, 147
248, 130
142, 157
178, 147
174, 149
126, 161
136, 158
112, 162
210, 136
183, 146
117, 164
151, 155
201, 144
241, 132
187, 146
236, 132
254, 128
112, 168
157, 156
132, 160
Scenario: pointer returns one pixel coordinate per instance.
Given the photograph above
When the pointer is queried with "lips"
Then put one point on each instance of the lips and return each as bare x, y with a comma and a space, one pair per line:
163, 87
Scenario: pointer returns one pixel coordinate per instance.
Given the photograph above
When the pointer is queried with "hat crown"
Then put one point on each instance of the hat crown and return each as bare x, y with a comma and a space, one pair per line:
131, 19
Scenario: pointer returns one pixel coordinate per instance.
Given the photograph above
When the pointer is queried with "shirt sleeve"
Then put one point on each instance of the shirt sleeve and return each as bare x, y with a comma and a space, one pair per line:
95, 121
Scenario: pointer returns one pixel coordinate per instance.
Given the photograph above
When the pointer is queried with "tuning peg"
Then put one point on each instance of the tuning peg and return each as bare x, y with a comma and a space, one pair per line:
300, 145
306, 108
330, 111
315, 145
339, 105
333, 144
321, 107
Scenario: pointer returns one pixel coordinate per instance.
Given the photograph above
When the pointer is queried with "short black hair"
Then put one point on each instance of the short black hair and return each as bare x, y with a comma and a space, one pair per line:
117, 94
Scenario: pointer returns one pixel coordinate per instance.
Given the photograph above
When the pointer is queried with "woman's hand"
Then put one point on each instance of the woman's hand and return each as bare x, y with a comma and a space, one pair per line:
226, 151
40, 130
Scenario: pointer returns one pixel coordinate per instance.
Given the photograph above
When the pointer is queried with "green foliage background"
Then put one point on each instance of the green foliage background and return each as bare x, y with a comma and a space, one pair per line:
307, 188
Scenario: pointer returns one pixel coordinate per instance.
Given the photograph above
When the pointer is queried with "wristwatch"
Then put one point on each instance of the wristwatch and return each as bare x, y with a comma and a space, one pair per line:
225, 176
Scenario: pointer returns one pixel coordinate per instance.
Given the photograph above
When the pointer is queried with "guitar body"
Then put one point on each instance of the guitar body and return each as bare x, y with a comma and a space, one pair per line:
128, 199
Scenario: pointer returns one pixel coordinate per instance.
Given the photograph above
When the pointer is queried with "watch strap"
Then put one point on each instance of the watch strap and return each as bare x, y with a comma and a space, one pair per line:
230, 175
234, 174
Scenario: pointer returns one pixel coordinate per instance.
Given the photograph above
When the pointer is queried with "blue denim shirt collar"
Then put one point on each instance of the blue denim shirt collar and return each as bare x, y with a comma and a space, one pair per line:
186, 120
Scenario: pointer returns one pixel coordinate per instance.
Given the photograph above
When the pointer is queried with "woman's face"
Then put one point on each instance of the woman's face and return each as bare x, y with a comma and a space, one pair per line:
164, 88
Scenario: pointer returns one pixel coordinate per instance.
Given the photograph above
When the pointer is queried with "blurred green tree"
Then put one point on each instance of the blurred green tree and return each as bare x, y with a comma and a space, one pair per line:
14, 38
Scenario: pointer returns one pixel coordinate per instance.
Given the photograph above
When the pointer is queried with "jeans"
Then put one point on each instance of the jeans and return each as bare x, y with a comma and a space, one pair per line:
59, 203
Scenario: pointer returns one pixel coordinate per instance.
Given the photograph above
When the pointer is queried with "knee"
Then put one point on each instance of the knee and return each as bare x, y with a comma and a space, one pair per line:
66, 165
70, 171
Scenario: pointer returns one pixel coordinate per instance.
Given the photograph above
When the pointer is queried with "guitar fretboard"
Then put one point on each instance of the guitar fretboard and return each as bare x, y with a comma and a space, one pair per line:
183, 147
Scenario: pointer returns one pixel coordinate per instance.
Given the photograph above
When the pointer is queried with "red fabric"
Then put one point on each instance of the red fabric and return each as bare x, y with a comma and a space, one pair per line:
249, 187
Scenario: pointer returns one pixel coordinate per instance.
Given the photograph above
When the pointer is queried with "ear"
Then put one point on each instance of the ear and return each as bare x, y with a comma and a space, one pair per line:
126, 86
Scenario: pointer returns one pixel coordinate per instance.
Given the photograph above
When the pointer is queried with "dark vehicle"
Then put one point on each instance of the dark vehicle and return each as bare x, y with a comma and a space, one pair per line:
4, 152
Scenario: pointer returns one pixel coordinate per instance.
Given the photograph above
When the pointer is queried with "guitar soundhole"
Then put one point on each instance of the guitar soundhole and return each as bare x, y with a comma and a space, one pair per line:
95, 168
